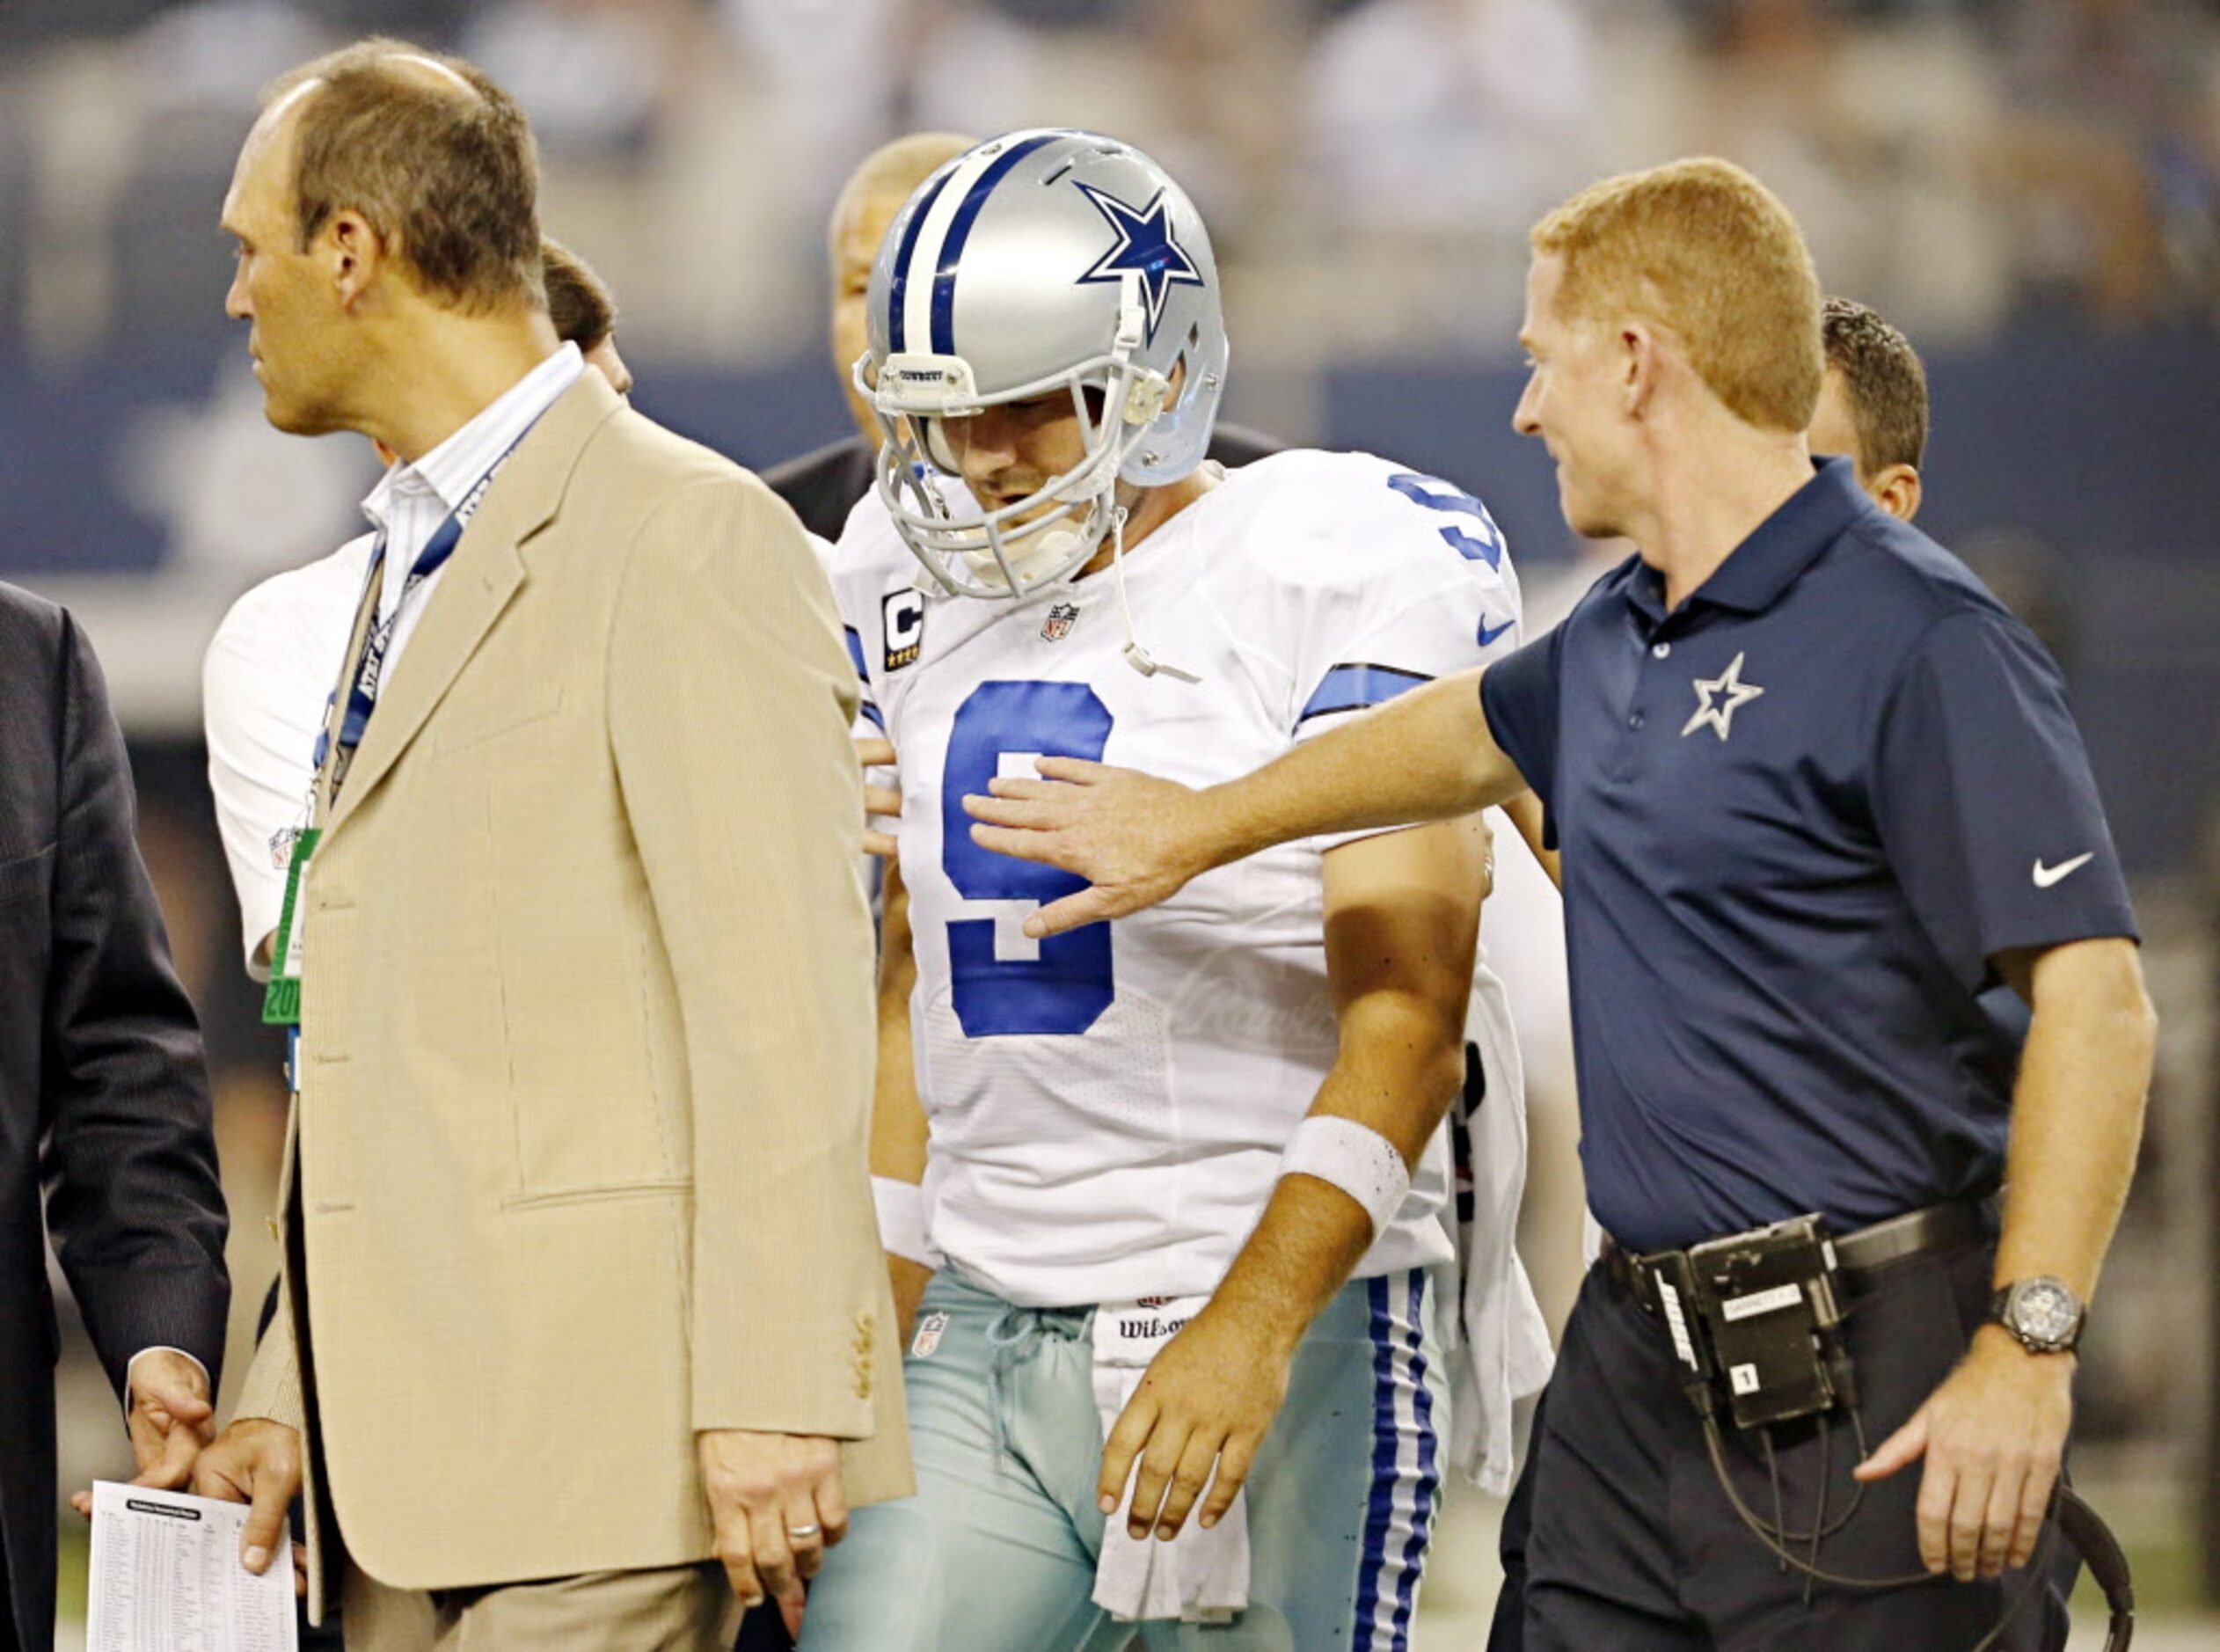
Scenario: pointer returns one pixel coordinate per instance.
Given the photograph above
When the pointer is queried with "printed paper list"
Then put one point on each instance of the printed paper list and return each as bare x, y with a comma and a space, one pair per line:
166, 1577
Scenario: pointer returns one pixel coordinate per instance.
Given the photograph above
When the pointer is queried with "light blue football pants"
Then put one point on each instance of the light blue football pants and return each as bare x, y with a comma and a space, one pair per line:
996, 1551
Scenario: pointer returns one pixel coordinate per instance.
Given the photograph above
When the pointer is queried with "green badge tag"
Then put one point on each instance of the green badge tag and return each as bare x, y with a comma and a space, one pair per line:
281, 1003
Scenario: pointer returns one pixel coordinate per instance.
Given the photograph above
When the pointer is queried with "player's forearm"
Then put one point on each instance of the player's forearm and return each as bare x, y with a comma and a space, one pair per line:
900, 1132
1424, 756
2077, 1117
899, 1129
908, 1280
1397, 1078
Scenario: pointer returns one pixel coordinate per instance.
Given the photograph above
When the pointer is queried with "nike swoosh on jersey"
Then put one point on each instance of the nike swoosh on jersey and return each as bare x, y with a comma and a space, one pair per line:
1489, 633
2045, 876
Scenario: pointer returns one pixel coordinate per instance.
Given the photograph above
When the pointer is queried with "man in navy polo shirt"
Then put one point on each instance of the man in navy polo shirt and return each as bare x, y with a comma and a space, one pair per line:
1815, 790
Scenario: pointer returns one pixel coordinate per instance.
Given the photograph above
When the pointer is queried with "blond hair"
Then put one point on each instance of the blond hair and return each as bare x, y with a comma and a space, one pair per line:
1710, 254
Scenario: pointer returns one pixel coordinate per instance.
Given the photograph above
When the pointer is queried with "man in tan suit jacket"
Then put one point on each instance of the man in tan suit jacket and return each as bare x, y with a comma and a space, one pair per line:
582, 1291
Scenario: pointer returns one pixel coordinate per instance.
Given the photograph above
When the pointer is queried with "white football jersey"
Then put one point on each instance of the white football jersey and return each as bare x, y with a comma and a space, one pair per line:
266, 683
1109, 1108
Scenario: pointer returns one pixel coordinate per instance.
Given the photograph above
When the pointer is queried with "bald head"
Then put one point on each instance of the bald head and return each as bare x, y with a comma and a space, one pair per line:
883, 180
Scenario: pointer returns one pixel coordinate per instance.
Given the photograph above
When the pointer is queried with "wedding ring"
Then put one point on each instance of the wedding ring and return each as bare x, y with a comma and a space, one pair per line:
803, 1531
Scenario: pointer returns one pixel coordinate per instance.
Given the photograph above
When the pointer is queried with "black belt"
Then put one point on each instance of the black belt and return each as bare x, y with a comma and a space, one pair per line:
1859, 1256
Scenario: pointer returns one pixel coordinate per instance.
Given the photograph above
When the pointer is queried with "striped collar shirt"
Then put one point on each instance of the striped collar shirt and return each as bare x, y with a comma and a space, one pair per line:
411, 500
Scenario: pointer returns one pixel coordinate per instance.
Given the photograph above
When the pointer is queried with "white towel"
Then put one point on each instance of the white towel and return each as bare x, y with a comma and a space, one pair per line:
1200, 1576
1497, 1343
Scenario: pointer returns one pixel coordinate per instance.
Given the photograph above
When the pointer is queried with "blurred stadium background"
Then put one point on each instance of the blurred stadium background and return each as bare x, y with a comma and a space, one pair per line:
2030, 188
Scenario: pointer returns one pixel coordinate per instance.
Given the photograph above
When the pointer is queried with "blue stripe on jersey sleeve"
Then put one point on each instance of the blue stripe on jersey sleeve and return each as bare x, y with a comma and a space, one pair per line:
875, 714
1348, 688
856, 650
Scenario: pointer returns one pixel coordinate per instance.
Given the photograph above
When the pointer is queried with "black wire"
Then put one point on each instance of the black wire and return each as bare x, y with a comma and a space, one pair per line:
1822, 1528
1758, 1529
1819, 1515
2034, 1582
2033, 1575
1772, 1477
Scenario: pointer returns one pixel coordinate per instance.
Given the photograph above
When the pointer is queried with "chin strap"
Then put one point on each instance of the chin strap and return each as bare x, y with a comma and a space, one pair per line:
1136, 656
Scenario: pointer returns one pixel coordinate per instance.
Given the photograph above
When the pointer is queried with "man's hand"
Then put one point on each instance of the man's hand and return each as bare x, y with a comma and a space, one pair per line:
1136, 838
1208, 1397
878, 799
777, 1505
1993, 1436
258, 1462
171, 1417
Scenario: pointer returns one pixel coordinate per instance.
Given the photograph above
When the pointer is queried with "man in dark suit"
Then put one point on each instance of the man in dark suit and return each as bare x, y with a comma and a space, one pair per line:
103, 1097
823, 485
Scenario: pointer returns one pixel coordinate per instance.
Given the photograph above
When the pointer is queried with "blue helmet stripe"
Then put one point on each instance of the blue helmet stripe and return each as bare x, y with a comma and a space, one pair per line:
898, 288
943, 283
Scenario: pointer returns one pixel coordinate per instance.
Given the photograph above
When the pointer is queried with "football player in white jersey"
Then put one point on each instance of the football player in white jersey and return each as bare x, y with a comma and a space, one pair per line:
1184, 1178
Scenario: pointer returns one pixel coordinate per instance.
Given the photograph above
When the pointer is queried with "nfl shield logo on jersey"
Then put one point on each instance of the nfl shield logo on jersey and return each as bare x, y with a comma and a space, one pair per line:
1058, 625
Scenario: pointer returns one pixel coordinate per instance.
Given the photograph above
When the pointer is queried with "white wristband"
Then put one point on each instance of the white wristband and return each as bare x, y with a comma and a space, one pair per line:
901, 1219
1354, 1157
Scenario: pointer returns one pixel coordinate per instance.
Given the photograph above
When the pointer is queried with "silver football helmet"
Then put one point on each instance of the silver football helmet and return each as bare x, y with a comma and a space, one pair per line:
1039, 262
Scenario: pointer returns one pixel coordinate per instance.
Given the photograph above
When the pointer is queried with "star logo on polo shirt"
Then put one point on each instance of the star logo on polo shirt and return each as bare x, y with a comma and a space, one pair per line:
1718, 698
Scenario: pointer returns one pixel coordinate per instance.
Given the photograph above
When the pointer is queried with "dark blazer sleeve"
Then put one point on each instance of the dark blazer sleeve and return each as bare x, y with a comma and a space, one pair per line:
822, 486
133, 1201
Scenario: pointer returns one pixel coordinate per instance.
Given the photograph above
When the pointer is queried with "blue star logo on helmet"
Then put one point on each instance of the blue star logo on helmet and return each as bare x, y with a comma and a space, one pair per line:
1146, 244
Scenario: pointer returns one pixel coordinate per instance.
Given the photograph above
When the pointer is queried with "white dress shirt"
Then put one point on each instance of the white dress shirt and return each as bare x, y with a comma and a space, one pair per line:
411, 500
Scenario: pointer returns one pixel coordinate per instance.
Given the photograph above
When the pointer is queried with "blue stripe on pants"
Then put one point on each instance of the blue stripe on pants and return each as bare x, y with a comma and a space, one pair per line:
1429, 1475
1380, 1512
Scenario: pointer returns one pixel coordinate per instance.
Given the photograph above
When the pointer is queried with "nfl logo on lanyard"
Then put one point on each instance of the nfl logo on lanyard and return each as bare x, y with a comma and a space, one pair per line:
1058, 627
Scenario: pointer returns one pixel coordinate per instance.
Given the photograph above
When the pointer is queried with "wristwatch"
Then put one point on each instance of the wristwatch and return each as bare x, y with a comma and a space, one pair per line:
2042, 1312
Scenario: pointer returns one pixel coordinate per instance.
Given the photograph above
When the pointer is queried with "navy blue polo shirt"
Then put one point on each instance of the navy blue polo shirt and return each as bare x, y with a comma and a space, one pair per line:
1800, 813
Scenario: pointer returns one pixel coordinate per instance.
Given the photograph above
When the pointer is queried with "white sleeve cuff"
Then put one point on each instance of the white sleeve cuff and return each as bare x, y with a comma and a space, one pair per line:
901, 1219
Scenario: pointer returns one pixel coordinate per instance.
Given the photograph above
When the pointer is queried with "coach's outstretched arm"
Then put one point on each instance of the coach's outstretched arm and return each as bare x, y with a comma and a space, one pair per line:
1424, 756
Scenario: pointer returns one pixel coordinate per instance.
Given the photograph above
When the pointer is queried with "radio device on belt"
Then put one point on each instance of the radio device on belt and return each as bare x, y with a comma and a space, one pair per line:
1755, 1319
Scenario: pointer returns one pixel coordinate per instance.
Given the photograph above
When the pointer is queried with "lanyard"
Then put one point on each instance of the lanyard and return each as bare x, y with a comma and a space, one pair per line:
366, 676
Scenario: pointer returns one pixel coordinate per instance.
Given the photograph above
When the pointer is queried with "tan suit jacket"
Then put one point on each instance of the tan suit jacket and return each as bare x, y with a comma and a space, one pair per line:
577, 1166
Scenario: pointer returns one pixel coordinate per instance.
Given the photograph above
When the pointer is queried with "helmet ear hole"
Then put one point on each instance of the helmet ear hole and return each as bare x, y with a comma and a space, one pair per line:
1183, 368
